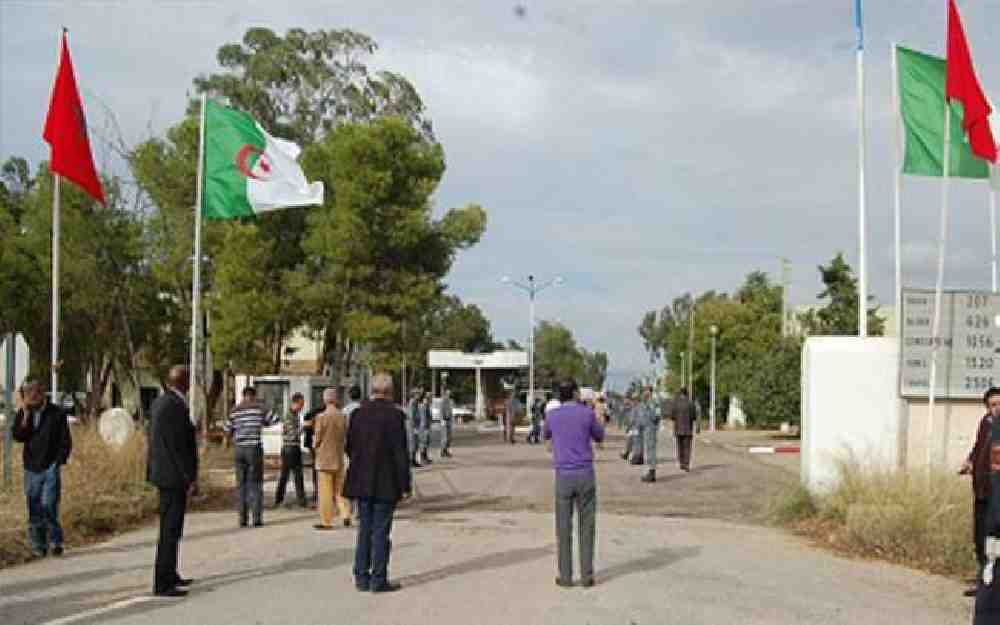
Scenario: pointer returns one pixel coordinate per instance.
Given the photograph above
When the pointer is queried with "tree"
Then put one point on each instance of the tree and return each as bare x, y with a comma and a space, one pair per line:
840, 315
595, 369
375, 256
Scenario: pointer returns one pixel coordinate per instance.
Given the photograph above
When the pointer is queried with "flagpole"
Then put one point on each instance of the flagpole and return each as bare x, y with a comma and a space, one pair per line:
897, 194
55, 289
196, 263
993, 235
862, 253
939, 287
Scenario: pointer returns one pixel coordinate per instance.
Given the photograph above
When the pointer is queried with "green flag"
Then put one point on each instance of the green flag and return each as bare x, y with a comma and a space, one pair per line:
921, 104
247, 171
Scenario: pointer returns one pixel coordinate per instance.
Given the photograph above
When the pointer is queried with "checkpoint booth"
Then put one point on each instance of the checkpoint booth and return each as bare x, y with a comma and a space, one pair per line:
490, 369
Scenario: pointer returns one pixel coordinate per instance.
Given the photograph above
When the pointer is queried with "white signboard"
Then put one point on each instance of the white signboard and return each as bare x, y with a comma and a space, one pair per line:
968, 361
20, 361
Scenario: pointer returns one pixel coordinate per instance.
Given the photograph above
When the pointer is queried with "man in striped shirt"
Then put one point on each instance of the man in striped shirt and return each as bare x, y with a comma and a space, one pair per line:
243, 427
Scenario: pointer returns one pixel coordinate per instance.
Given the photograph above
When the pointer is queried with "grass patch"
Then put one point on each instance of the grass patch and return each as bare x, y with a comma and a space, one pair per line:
104, 492
898, 516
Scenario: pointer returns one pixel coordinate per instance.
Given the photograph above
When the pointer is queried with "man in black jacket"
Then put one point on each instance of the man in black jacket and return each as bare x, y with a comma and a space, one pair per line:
173, 469
988, 598
378, 476
44, 430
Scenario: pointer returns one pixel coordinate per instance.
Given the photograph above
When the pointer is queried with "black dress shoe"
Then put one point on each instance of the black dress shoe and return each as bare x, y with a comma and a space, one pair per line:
563, 583
172, 592
971, 592
587, 582
57, 551
184, 581
362, 586
387, 587
347, 522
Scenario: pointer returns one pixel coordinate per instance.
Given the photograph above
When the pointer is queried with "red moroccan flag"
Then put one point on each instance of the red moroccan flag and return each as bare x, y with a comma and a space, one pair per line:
963, 85
66, 131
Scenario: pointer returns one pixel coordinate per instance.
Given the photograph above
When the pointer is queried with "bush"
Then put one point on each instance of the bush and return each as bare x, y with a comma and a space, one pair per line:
904, 517
103, 491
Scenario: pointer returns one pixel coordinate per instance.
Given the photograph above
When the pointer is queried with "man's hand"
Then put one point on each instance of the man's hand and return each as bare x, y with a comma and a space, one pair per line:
192, 489
966, 468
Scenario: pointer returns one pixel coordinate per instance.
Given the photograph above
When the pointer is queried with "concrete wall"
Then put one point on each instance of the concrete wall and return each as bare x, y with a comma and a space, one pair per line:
850, 405
955, 425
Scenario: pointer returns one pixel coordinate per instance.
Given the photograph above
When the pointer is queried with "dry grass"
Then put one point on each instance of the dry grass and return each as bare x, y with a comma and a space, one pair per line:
104, 492
898, 516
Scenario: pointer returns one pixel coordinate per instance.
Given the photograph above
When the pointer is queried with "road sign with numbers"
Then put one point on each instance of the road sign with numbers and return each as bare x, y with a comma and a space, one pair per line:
968, 361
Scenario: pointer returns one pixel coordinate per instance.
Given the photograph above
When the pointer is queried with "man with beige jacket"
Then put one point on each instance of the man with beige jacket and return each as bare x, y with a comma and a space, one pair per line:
329, 438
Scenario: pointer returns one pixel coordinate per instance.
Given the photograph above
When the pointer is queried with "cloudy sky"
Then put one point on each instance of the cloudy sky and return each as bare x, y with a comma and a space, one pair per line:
638, 149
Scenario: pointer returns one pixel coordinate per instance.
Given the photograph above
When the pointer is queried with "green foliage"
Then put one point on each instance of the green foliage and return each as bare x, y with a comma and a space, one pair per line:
304, 84
373, 251
557, 357
753, 362
840, 315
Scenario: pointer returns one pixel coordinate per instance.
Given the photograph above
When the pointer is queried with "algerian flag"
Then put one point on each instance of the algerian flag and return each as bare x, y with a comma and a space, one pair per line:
247, 171
921, 103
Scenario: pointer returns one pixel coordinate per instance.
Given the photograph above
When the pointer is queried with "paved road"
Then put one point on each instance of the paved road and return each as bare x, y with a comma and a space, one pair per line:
477, 545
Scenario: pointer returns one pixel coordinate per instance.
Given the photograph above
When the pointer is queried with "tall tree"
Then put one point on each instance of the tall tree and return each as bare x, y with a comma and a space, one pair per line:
840, 315
374, 254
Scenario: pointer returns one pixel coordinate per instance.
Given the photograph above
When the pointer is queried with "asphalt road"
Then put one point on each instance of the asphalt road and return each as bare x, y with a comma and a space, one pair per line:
477, 545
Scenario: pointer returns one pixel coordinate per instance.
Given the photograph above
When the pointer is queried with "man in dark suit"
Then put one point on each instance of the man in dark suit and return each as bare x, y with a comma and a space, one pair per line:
378, 476
987, 610
682, 411
978, 466
173, 469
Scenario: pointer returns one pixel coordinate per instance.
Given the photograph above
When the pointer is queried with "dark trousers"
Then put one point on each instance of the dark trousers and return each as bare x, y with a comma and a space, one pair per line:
42, 490
577, 493
535, 436
291, 463
173, 503
980, 509
987, 611
684, 450
250, 482
371, 557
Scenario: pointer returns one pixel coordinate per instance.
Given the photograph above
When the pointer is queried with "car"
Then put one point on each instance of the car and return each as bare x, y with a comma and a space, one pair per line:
460, 412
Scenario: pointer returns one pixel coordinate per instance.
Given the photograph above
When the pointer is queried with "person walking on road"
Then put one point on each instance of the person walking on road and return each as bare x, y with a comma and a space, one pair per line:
447, 423
413, 428
634, 432
977, 464
378, 477
172, 466
537, 414
649, 415
426, 426
511, 411
330, 441
684, 413
243, 426
43, 429
570, 432
291, 453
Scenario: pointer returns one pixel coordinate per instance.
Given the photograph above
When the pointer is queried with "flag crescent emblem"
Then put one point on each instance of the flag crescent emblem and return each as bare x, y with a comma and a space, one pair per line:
244, 155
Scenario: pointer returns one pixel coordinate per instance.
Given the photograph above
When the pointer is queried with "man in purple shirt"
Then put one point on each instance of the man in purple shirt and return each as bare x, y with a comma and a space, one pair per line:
569, 433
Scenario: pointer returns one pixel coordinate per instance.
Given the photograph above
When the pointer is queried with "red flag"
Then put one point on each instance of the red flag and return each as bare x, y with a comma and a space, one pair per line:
66, 131
963, 85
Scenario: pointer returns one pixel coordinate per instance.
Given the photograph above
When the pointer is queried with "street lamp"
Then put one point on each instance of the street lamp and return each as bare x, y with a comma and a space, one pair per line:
714, 330
532, 288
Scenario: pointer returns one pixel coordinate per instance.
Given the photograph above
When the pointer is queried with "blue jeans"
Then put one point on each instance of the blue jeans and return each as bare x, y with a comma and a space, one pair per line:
42, 490
371, 558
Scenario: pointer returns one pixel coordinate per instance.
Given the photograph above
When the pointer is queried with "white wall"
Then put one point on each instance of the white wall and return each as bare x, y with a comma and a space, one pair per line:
850, 405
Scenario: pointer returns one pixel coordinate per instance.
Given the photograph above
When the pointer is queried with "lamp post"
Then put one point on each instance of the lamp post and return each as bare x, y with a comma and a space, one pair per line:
683, 370
714, 330
532, 288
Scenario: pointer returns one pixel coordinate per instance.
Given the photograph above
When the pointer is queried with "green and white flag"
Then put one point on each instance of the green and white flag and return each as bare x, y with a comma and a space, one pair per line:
921, 104
247, 171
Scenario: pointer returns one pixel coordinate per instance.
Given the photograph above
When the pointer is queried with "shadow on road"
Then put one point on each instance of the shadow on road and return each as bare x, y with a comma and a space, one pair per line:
657, 559
487, 562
